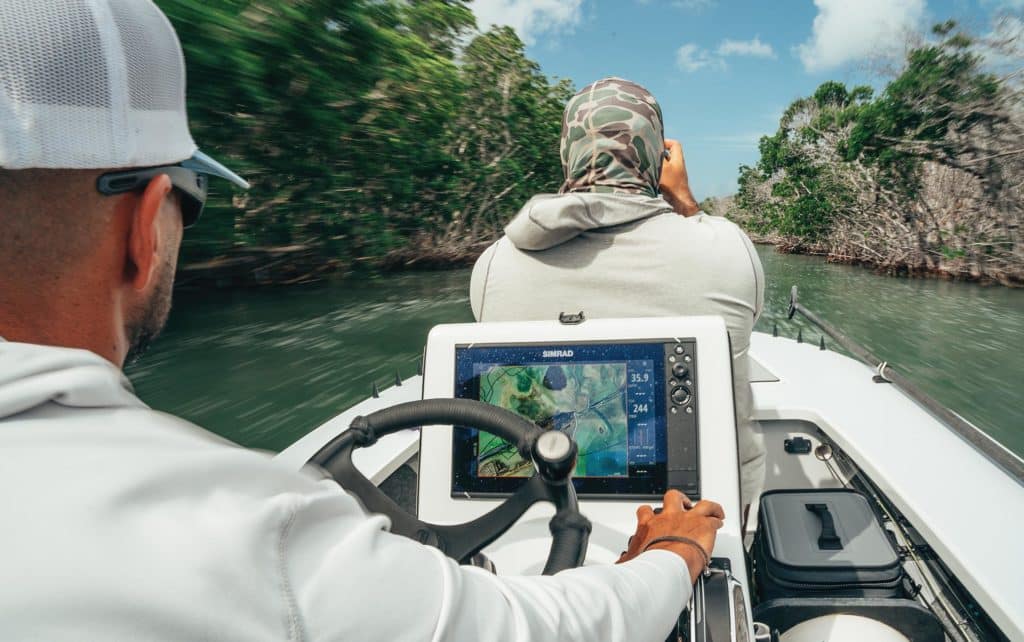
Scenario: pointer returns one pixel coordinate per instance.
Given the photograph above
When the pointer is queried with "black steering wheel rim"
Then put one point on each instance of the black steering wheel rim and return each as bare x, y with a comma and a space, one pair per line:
552, 481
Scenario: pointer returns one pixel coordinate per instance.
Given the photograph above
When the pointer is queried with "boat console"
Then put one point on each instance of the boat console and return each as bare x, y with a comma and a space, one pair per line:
848, 542
649, 403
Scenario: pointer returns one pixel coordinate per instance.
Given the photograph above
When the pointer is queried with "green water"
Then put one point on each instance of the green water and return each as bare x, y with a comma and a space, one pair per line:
263, 367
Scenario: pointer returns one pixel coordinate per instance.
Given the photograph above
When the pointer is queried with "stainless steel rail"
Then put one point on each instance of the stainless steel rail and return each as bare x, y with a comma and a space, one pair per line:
1012, 464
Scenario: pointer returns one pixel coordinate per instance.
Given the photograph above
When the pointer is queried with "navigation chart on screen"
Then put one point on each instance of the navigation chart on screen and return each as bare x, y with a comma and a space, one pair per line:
587, 401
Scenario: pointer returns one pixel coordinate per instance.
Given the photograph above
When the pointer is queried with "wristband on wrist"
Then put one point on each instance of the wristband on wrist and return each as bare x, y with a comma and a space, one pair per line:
681, 540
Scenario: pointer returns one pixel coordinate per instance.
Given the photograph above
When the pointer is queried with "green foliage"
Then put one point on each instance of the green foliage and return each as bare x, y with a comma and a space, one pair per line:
928, 112
506, 137
924, 177
359, 122
802, 199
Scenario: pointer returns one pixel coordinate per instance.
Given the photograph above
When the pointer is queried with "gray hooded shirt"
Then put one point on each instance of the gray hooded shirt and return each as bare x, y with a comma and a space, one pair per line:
609, 245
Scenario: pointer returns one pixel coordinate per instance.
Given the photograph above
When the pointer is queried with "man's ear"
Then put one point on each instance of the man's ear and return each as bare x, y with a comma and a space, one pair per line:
144, 240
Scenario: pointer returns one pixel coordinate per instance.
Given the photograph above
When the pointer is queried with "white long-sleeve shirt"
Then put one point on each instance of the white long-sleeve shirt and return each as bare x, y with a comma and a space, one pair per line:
120, 522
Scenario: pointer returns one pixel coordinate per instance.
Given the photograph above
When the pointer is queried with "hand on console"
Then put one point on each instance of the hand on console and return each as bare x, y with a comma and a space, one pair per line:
688, 530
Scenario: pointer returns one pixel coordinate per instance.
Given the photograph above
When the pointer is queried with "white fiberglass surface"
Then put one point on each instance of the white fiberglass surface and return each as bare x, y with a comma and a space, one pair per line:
523, 548
929, 472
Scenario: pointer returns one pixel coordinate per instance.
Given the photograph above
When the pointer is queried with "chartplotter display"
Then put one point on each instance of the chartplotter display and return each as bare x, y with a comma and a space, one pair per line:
608, 397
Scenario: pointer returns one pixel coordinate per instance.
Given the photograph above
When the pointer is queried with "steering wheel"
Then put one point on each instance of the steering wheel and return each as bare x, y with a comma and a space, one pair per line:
553, 454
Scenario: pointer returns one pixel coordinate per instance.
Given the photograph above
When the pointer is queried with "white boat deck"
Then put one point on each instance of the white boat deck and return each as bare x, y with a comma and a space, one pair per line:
376, 463
968, 509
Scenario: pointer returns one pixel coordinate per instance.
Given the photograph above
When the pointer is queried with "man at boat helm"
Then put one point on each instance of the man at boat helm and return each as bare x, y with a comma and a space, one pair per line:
624, 237
120, 522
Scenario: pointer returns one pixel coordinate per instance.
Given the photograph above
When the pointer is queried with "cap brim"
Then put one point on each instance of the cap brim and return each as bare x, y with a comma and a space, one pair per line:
203, 164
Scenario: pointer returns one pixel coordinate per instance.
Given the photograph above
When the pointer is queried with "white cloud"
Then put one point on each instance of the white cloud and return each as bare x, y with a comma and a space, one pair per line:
846, 31
692, 58
694, 5
529, 18
746, 48
691, 5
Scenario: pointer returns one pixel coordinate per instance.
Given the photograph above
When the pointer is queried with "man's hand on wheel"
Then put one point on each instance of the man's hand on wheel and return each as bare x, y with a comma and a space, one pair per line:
679, 517
675, 183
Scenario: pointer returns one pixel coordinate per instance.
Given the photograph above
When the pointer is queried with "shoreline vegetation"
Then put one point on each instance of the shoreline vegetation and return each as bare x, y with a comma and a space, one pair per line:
368, 129
924, 178
382, 135
839, 252
302, 264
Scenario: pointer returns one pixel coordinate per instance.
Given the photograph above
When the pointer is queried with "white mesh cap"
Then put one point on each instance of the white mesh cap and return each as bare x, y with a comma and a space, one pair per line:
93, 84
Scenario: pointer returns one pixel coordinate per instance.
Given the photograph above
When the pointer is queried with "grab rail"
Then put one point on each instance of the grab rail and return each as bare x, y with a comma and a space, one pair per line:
1011, 463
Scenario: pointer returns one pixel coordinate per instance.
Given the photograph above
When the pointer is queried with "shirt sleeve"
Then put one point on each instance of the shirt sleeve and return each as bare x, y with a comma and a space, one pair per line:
638, 601
344, 577
478, 281
755, 264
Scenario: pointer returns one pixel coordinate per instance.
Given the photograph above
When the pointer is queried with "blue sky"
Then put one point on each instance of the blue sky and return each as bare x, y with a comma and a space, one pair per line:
724, 70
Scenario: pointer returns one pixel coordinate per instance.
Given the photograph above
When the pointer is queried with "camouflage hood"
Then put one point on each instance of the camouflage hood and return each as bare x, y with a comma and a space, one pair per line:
612, 139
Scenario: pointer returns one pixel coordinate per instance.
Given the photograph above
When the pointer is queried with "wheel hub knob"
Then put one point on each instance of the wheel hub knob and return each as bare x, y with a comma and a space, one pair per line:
554, 454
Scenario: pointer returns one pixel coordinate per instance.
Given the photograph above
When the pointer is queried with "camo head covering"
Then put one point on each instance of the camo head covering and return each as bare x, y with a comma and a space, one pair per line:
612, 139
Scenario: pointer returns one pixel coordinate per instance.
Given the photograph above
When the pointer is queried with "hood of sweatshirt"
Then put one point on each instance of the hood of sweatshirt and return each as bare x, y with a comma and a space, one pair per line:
611, 149
548, 220
613, 139
34, 375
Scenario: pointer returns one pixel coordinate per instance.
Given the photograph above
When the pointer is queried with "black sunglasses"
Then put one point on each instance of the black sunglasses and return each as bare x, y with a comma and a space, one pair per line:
191, 184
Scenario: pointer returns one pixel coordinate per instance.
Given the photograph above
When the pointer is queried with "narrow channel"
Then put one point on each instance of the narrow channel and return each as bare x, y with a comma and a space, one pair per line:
263, 367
